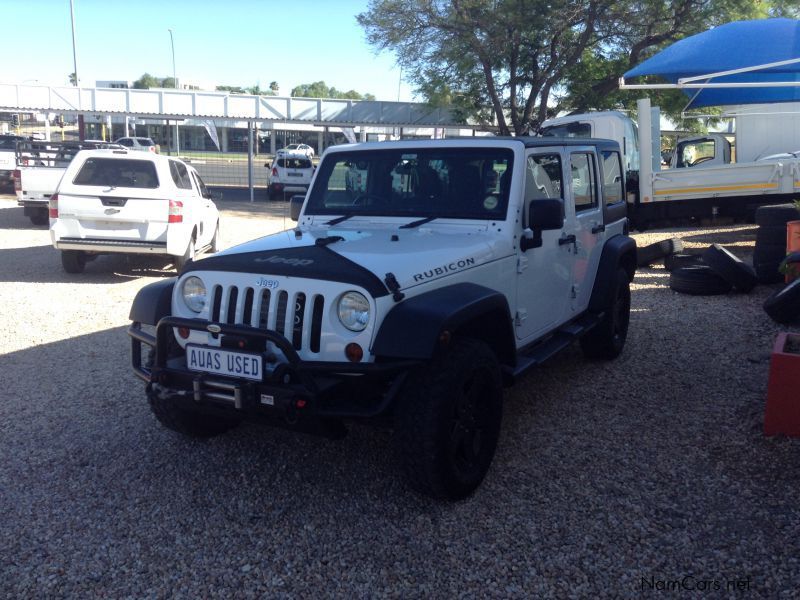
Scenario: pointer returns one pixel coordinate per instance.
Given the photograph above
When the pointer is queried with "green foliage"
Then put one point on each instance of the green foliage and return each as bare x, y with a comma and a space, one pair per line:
146, 82
319, 89
514, 63
233, 89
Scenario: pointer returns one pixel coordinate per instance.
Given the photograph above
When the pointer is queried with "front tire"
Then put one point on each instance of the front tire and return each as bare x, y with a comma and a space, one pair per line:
607, 339
448, 420
73, 261
188, 422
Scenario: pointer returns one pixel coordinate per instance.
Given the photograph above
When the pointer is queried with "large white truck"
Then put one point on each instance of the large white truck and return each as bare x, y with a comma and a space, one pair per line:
703, 180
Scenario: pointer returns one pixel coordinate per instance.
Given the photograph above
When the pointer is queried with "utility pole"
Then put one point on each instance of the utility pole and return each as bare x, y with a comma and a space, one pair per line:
175, 85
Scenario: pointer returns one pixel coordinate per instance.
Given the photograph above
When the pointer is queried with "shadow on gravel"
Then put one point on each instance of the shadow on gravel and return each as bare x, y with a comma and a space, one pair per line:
12, 217
746, 234
42, 264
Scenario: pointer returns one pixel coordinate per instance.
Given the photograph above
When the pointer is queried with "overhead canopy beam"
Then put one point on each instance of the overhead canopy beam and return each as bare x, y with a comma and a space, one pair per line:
189, 104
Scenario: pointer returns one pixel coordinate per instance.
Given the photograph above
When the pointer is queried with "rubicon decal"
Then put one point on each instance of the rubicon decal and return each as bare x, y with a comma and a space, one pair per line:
457, 265
295, 262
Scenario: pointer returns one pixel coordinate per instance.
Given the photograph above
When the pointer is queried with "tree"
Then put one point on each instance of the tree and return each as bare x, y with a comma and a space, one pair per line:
168, 82
273, 86
519, 58
146, 81
234, 89
73, 79
319, 89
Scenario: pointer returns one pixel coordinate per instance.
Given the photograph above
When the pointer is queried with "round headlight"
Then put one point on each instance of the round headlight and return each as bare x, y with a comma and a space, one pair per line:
354, 311
194, 293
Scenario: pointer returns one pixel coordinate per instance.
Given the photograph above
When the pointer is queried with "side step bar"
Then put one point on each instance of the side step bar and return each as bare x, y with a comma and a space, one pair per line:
541, 350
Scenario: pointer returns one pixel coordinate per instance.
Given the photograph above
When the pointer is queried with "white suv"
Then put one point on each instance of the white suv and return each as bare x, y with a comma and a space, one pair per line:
117, 201
289, 173
144, 144
411, 297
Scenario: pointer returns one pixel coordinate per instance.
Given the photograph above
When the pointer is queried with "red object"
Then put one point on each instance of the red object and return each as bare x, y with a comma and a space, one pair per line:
792, 245
17, 181
52, 206
782, 412
175, 211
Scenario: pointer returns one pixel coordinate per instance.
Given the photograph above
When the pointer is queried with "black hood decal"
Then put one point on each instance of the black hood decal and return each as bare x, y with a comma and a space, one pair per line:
312, 262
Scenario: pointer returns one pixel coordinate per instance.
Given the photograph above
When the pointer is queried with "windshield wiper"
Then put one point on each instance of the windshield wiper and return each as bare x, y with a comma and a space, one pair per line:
417, 223
338, 220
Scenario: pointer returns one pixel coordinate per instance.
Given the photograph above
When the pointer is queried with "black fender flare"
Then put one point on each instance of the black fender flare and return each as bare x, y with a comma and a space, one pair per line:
153, 301
412, 329
618, 251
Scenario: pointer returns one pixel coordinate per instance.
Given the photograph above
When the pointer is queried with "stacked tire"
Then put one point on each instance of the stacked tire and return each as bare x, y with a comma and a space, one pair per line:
771, 240
717, 272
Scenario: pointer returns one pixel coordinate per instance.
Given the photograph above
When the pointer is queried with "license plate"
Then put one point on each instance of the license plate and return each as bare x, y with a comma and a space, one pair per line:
224, 362
295, 174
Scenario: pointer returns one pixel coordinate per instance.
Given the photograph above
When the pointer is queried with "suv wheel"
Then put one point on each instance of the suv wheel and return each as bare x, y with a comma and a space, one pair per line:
187, 422
608, 337
73, 261
188, 256
448, 420
40, 217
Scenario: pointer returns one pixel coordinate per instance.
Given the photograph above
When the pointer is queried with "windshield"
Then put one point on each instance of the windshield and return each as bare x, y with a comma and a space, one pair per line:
461, 183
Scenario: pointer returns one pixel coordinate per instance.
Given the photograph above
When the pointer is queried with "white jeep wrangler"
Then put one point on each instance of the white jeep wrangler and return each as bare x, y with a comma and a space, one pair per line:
414, 297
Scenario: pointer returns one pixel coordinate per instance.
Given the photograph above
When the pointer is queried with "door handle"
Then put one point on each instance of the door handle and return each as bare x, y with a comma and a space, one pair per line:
567, 239
598, 228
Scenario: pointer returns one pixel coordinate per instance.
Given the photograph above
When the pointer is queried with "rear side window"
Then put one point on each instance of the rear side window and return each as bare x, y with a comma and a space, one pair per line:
294, 163
145, 141
584, 187
180, 175
126, 142
111, 172
612, 177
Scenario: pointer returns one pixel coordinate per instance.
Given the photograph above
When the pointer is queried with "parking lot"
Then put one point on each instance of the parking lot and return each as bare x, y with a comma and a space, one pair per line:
648, 473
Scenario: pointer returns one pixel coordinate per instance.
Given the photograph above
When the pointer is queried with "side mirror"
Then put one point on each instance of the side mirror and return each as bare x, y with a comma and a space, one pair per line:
546, 214
543, 215
295, 205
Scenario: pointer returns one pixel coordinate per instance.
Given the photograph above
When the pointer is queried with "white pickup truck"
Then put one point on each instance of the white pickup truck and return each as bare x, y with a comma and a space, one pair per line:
8, 146
39, 168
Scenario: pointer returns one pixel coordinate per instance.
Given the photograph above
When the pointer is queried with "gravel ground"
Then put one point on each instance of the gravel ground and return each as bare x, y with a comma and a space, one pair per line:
610, 478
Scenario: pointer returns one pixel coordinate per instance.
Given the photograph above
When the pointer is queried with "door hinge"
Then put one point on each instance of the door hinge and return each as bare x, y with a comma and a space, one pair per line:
522, 263
520, 317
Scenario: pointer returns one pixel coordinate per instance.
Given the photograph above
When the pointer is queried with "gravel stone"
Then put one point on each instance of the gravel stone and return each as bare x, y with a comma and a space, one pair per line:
610, 479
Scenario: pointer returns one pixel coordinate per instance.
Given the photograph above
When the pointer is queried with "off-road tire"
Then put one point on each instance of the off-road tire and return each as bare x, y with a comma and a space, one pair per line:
771, 234
776, 214
740, 275
766, 261
698, 280
676, 261
39, 217
784, 305
73, 261
654, 252
607, 339
188, 422
188, 256
448, 420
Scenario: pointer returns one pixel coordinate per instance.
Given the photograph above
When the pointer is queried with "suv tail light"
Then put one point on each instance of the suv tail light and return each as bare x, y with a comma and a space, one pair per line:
175, 211
17, 181
52, 206
274, 171
152, 149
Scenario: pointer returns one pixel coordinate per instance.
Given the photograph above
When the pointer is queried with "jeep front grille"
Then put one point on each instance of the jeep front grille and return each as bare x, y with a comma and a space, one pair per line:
295, 315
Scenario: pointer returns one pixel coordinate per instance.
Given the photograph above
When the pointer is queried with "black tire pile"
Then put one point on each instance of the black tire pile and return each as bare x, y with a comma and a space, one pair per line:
716, 271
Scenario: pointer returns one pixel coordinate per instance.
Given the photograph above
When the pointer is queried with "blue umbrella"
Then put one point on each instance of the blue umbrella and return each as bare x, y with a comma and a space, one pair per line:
768, 50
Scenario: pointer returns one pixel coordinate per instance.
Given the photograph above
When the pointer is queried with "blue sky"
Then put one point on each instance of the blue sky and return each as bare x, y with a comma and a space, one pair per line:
232, 42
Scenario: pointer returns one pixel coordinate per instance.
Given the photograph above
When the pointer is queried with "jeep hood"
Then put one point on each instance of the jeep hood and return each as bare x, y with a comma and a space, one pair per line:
361, 256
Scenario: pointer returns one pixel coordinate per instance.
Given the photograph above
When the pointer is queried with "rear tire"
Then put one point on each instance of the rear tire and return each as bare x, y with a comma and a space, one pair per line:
188, 256
73, 261
40, 217
607, 339
448, 420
